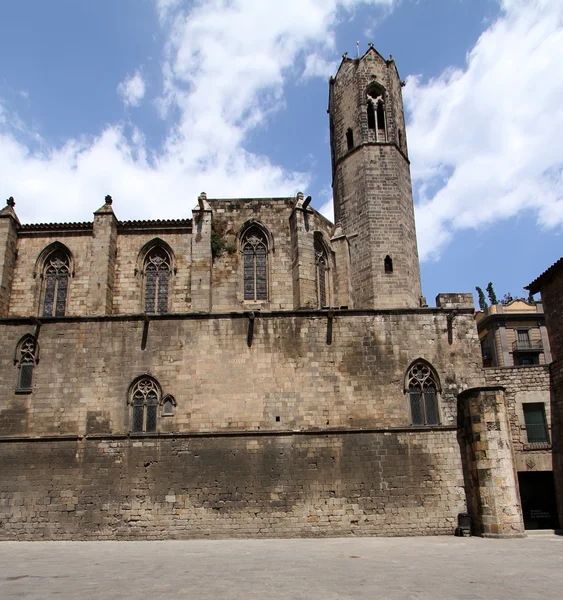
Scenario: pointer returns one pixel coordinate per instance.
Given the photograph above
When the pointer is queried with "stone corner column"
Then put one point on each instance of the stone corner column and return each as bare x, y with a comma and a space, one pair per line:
302, 256
102, 266
499, 512
202, 260
9, 224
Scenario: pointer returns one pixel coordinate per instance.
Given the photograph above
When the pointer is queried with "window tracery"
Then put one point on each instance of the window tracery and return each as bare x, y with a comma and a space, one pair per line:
255, 252
157, 279
144, 397
321, 268
423, 394
26, 360
56, 273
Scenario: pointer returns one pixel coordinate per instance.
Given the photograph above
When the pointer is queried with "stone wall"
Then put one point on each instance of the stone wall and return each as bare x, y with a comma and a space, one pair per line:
292, 376
326, 484
522, 385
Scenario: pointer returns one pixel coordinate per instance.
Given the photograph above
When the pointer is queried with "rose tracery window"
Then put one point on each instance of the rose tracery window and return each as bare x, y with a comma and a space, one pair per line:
55, 284
423, 395
255, 252
26, 361
144, 397
321, 268
157, 278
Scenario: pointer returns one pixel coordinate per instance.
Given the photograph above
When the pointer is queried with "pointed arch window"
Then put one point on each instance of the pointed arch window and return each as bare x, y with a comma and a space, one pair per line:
422, 388
157, 270
255, 253
144, 397
376, 112
321, 268
56, 273
26, 359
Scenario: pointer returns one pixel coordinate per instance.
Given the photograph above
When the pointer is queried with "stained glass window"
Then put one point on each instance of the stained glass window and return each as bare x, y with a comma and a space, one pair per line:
157, 278
423, 395
255, 252
56, 274
144, 398
26, 362
321, 265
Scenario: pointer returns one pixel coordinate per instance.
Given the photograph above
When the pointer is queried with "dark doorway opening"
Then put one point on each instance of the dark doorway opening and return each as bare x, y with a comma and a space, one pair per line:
537, 494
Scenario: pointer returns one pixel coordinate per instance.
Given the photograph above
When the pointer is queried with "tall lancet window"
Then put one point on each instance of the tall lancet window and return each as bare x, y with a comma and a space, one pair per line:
321, 268
157, 279
255, 252
56, 273
422, 388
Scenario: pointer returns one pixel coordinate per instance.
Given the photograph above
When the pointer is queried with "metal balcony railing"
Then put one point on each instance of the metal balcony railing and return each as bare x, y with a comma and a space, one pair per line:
527, 346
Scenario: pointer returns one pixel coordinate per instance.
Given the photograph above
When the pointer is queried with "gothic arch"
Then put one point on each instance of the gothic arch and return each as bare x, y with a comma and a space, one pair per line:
424, 362
55, 266
256, 246
375, 110
324, 269
25, 359
423, 388
156, 267
143, 397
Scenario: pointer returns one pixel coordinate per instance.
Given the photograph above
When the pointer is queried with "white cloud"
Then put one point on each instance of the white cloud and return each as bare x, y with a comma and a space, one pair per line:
224, 68
485, 141
132, 89
317, 66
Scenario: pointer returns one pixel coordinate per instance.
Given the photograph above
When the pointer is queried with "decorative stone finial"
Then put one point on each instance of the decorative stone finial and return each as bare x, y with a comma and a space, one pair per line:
11, 202
203, 196
371, 44
108, 199
390, 57
345, 55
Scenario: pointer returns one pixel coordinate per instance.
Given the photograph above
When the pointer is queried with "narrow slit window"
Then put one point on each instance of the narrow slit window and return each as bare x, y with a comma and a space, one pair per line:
371, 115
350, 139
388, 264
381, 134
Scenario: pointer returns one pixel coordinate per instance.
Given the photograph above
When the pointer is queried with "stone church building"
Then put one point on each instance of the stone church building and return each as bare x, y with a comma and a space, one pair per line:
254, 370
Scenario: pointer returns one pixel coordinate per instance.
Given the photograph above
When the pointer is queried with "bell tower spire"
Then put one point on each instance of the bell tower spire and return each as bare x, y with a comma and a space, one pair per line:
371, 182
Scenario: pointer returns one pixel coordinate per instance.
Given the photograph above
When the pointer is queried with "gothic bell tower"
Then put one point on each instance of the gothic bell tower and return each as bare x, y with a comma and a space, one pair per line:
372, 184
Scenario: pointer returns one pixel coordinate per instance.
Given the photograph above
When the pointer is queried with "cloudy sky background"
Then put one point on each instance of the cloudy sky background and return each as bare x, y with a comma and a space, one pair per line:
154, 101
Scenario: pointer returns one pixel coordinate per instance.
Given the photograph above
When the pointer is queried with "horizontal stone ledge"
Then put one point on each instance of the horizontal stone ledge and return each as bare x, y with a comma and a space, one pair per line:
243, 314
216, 434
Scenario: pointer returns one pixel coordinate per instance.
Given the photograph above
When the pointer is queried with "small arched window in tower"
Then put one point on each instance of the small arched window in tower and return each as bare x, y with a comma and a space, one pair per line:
56, 272
376, 111
26, 359
255, 252
350, 138
321, 268
168, 404
422, 388
157, 279
388, 264
144, 398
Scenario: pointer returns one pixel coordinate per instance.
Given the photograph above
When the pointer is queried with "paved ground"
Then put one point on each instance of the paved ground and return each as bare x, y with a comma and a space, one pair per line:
372, 568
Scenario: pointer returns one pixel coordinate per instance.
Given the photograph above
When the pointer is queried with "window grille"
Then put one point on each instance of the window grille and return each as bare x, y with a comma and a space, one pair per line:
255, 252
536, 424
157, 278
56, 274
144, 398
321, 265
423, 396
26, 361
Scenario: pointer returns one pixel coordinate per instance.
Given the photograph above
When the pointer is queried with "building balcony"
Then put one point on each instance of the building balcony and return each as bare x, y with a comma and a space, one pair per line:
527, 346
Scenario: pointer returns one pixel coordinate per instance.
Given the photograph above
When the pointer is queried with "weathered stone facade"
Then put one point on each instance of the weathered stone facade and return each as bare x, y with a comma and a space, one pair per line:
253, 370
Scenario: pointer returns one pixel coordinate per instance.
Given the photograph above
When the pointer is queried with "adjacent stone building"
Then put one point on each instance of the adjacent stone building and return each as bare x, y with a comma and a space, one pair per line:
550, 285
252, 370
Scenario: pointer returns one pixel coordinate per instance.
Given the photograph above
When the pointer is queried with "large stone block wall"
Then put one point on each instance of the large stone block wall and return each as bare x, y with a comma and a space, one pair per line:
332, 484
522, 385
291, 377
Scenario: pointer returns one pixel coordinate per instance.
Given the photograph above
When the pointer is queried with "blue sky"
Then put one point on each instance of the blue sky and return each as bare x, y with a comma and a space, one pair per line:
154, 101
